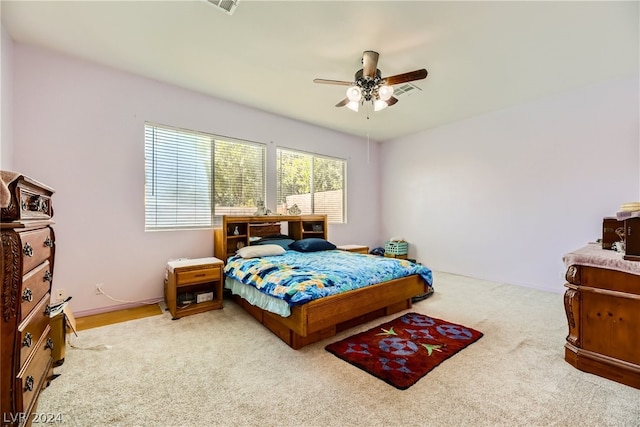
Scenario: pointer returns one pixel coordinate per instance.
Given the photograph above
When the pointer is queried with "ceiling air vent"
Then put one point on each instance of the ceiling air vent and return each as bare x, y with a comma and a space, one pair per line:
228, 6
406, 89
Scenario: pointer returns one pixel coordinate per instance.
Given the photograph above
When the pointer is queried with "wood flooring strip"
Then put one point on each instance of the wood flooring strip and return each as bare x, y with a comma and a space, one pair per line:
109, 318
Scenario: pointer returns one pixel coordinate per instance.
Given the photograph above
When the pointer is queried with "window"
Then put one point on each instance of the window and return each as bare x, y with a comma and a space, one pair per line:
315, 183
191, 178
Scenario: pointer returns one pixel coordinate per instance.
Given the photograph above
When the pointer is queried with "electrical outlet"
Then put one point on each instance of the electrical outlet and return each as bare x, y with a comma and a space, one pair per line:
99, 289
60, 294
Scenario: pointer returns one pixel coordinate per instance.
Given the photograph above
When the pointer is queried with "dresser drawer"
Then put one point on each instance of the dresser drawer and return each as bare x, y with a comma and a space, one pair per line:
197, 276
31, 329
34, 205
33, 375
35, 284
37, 246
30, 199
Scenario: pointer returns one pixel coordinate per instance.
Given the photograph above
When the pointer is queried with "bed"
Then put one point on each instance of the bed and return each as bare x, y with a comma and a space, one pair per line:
304, 297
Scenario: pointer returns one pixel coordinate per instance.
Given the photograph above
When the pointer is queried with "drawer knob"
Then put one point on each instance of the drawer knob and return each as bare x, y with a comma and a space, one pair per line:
48, 242
28, 340
48, 277
27, 249
27, 295
28, 383
49, 344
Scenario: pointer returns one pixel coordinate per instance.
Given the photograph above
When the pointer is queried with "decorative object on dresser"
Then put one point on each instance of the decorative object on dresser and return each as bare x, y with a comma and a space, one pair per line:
632, 239
612, 232
602, 304
27, 272
193, 286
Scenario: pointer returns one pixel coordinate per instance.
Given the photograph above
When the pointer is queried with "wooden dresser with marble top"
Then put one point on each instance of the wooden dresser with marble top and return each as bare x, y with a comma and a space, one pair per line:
27, 256
602, 304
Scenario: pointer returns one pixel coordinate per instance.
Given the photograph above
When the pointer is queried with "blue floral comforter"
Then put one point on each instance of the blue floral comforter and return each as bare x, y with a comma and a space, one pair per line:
297, 277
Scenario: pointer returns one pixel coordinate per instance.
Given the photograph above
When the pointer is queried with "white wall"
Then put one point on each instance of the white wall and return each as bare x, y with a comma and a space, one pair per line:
79, 128
503, 196
6, 100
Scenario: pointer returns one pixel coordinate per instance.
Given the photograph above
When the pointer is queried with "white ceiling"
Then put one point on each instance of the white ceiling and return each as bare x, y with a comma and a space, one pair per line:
481, 55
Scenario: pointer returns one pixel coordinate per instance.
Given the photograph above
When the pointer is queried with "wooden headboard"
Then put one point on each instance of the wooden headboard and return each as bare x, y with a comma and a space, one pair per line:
266, 229
226, 241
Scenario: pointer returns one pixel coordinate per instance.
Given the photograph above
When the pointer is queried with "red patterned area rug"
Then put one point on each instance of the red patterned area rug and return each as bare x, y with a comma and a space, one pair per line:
402, 351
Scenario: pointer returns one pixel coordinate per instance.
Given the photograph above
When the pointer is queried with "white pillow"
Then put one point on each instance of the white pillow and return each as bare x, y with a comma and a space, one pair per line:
260, 250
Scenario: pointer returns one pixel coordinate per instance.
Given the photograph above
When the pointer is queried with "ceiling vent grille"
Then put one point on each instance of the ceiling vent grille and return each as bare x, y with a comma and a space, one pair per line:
406, 89
228, 6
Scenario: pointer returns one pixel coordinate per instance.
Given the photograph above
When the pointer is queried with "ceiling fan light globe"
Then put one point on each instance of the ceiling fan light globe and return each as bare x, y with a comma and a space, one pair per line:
353, 105
354, 94
385, 92
379, 104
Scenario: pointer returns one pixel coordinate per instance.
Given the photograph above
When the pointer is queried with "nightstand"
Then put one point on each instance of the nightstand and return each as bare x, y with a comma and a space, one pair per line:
354, 248
193, 286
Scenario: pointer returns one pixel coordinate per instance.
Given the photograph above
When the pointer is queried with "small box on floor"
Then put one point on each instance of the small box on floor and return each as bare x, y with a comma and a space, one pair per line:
60, 322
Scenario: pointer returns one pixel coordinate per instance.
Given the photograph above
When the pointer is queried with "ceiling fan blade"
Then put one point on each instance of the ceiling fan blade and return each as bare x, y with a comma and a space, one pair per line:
392, 101
369, 63
343, 102
406, 77
332, 82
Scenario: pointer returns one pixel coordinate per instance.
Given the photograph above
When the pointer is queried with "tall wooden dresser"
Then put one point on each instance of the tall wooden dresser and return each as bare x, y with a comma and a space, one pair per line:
27, 271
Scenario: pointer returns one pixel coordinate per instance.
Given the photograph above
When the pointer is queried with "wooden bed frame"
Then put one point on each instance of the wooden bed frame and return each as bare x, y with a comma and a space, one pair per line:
321, 318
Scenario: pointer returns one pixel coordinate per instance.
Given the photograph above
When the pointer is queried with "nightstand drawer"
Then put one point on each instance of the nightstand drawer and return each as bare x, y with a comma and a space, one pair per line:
197, 276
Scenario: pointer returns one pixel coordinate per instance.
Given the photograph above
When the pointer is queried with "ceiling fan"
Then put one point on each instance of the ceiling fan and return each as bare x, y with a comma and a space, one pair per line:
369, 86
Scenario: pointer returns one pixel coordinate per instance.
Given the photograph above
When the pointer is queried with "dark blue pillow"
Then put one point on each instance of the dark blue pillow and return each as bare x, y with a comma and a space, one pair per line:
312, 244
271, 241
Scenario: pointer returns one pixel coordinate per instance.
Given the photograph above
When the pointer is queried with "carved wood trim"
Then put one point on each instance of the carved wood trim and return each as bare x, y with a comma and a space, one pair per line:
573, 275
572, 310
10, 211
12, 274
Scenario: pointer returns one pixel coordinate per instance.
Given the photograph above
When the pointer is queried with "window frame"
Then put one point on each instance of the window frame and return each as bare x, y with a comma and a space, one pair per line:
215, 219
315, 156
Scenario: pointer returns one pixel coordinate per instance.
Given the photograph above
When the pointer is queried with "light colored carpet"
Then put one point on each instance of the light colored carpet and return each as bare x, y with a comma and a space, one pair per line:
224, 368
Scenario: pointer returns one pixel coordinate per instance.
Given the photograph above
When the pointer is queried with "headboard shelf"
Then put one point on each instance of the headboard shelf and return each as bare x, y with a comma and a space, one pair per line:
238, 231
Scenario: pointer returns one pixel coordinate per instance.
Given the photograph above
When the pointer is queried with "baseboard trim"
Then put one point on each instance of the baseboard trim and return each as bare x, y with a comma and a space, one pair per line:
117, 313
117, 307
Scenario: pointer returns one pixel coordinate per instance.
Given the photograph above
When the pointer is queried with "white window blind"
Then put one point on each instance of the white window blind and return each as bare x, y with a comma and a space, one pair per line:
191, 178
316, 184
